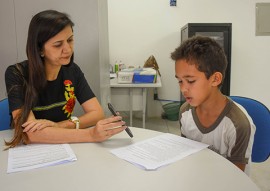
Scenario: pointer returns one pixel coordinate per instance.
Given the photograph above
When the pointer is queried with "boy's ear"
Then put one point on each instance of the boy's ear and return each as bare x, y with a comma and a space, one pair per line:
216, 78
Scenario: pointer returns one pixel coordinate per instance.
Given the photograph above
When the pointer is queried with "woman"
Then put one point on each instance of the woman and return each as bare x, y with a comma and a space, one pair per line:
42, 90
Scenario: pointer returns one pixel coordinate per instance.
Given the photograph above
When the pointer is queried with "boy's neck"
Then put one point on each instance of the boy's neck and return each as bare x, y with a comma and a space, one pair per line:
209, 111
216, 101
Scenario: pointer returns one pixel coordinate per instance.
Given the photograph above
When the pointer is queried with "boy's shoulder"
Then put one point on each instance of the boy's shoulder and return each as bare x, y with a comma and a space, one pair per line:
238, 115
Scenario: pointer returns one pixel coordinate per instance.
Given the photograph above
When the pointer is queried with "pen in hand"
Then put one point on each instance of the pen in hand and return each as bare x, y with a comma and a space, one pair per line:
115, 114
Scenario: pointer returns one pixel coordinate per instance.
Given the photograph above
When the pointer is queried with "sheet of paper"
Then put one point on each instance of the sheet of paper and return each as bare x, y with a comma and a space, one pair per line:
156, 152
33, 156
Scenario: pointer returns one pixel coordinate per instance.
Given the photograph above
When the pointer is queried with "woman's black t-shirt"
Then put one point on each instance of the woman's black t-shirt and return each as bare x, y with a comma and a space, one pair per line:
56, 102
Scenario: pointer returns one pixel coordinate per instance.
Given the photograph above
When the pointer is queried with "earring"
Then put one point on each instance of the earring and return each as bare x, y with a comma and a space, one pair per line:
42, 55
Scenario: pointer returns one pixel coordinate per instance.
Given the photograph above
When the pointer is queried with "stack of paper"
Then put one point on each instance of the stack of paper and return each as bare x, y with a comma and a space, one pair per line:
33, 156
158, 151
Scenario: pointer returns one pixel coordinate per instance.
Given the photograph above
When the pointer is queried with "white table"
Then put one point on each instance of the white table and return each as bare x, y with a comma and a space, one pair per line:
144, 87
98, 170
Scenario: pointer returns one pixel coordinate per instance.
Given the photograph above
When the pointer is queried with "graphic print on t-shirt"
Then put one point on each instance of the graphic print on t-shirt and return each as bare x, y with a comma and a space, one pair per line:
70, 98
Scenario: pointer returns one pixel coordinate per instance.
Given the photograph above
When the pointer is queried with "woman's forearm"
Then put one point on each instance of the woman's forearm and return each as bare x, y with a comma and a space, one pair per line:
60, 135
86, 120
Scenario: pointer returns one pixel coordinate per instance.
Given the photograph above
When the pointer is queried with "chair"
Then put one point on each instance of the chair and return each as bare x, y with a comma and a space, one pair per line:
261, 117
4, 115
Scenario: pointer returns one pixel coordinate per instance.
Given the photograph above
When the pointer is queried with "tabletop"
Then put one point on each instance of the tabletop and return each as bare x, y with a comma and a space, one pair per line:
97, 169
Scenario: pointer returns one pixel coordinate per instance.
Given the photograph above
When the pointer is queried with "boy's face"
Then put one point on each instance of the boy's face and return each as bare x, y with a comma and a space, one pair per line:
194, 85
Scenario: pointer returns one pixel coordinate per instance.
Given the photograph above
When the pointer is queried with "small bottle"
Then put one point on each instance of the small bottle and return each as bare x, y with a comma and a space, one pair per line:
123, 66
116, 67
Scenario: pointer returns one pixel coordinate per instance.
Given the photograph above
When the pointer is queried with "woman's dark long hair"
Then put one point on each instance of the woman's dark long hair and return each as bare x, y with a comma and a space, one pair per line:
43, 26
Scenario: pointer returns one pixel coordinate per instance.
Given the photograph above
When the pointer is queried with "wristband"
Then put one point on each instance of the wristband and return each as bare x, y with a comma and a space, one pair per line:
76, 121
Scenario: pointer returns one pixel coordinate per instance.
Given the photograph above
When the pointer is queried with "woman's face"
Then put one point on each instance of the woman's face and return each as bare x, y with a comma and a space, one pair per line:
58, 50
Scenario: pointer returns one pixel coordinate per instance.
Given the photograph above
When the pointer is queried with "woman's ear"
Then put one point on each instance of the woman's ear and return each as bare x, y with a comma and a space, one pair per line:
216, 78
41, 52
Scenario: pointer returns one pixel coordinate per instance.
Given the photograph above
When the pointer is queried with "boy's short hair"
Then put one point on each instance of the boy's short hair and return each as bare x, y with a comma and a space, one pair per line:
205, 53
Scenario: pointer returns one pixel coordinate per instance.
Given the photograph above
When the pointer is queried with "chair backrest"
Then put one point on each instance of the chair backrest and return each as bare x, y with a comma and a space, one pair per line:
4, 115
261, 117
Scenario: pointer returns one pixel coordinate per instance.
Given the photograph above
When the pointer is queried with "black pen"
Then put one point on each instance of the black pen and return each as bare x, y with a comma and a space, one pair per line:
114, 113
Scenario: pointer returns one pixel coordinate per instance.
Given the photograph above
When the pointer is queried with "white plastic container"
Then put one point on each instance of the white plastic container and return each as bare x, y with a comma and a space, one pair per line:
125, 77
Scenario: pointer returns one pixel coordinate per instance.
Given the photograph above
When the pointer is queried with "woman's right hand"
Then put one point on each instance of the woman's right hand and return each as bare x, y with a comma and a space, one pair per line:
37, 124
108, 127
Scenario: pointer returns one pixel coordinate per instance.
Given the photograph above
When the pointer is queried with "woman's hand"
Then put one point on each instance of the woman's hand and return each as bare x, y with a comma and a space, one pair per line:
37, 124
106, 128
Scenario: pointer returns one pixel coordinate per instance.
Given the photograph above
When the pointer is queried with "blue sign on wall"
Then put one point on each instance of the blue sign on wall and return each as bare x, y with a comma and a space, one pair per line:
173, 2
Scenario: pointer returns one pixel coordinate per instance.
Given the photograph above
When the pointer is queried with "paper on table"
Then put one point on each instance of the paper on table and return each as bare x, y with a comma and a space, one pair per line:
33, 156
158, 151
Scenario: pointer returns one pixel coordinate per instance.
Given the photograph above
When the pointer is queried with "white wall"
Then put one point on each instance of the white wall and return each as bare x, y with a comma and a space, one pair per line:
8, 50
138, 29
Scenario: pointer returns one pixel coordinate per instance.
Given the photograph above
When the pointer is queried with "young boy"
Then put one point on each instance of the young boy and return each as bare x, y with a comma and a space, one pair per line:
208, 116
